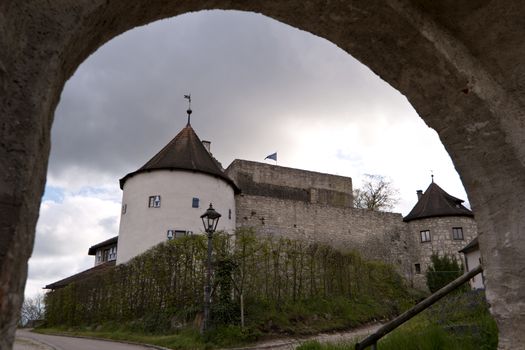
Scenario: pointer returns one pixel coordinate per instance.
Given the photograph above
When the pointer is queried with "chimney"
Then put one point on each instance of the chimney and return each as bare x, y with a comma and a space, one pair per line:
207, 145
419, 194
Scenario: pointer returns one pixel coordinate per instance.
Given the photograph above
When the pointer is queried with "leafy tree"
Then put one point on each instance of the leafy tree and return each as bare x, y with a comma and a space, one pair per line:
442, 271
376, 193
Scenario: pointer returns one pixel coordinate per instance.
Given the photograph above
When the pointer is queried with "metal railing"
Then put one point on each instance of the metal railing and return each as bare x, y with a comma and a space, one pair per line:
373, 338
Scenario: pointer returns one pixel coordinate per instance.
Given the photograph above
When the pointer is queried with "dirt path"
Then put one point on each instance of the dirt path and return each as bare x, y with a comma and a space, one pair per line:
292, 343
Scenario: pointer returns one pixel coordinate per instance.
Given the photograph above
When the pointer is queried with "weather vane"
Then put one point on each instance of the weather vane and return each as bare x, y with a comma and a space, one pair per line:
432, 175
188, 97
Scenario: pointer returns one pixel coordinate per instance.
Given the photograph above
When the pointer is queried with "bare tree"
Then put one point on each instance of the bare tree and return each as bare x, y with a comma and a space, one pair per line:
376, 193
32, 309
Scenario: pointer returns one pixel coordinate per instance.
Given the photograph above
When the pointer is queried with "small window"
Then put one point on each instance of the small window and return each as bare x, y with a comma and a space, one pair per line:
418, 269
124, 208
180, 233
229, 214
457, 233
425, 236
154, 201
171, 234
195, 202
113, 253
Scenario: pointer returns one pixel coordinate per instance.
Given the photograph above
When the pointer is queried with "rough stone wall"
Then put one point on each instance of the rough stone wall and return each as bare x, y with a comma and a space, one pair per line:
268, 180
376, 235
441, 242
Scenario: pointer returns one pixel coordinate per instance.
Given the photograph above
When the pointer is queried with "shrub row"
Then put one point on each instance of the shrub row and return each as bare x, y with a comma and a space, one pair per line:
163, 287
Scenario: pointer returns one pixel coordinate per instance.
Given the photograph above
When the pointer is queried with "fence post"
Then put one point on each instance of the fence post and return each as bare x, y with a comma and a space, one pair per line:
372, 339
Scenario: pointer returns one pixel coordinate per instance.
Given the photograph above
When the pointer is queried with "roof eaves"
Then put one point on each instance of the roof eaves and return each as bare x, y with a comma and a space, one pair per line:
412, 218
471, 246
111, 241
81, 275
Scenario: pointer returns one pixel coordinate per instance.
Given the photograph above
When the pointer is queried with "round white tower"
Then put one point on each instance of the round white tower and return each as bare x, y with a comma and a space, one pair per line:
165, 198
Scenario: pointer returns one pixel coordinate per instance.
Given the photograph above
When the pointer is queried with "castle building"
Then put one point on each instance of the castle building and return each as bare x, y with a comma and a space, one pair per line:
439, 224
105, 251
164, 199
166, 196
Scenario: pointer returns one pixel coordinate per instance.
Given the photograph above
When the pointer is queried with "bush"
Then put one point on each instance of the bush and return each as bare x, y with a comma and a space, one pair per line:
286, 286
442, 271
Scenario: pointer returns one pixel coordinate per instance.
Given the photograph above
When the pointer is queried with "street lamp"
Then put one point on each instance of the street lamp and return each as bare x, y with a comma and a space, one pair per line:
210, 219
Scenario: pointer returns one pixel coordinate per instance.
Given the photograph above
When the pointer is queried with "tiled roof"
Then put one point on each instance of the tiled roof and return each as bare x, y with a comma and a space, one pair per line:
435, 202
82, 275
93, 249
473, 245
184, 152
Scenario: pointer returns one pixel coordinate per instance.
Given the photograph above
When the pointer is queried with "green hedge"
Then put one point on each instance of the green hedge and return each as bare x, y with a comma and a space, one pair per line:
165, 285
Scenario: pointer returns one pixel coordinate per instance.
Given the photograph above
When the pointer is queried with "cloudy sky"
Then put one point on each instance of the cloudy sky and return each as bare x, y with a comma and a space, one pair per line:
258, 86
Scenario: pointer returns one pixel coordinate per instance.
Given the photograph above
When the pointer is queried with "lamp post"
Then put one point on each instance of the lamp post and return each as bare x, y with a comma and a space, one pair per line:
210, 219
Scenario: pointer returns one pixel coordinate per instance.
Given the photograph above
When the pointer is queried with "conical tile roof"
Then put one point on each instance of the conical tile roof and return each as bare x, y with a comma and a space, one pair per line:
184, 152
436, 202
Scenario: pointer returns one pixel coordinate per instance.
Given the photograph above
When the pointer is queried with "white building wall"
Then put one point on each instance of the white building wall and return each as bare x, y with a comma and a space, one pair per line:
473, 259
142, 227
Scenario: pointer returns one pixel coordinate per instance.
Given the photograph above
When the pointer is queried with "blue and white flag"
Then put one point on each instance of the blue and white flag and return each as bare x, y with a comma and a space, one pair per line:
272, 156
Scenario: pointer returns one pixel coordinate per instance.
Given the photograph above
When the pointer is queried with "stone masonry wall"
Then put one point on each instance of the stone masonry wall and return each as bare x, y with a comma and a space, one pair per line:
268, 180
441, 241
376, 235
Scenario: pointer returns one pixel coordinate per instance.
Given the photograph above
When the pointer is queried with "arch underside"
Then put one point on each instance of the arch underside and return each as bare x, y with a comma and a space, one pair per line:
458, 63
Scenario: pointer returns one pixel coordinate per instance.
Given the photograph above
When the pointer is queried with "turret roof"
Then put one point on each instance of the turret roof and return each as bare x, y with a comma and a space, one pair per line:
436, 202
184, 152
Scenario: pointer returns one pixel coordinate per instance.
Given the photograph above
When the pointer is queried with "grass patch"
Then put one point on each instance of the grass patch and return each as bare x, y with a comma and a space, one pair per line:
459, 322
312, 316
264, 320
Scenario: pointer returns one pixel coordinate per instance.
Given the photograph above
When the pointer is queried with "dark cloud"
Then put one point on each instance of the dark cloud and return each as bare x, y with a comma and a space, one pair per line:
247, 75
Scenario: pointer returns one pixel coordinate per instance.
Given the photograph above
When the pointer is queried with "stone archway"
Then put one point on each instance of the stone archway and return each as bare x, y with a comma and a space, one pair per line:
458, 63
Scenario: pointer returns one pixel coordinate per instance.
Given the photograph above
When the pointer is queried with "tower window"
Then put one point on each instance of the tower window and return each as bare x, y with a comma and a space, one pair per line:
154, 201
418, 269
457, 233
124, 208
229, 214
195, 202
180, 233
425, 236
171, 234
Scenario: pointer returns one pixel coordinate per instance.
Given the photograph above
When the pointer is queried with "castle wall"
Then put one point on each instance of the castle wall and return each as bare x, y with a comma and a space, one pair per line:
441, 241
317, 207
261, 179
376, 235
